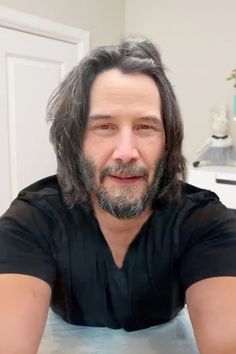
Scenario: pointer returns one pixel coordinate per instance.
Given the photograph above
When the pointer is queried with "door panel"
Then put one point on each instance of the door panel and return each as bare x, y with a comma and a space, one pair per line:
30, 68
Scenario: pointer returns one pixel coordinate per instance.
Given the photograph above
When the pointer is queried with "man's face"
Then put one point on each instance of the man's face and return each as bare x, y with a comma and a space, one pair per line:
123, 143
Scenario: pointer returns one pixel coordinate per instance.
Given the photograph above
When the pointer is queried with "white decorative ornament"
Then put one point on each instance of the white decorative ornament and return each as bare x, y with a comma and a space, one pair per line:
218, 149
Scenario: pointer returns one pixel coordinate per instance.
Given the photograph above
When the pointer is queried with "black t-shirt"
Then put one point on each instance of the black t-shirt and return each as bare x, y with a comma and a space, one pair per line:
180, 244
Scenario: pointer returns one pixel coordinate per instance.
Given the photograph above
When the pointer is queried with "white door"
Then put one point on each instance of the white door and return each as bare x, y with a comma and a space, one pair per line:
30, 68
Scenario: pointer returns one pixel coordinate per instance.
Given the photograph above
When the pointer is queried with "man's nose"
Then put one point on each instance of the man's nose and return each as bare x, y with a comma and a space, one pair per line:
126, 148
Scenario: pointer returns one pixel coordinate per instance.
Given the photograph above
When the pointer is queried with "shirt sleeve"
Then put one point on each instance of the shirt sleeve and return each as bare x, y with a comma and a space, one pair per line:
25, 246
209, 250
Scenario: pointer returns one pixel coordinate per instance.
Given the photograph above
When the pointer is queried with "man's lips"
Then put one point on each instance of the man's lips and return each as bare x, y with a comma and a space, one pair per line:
125, 179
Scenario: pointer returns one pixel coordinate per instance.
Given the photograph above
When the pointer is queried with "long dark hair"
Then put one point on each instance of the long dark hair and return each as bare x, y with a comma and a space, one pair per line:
69, 105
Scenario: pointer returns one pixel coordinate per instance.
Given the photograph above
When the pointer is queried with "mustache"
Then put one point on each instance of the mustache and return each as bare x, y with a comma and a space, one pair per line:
124, 170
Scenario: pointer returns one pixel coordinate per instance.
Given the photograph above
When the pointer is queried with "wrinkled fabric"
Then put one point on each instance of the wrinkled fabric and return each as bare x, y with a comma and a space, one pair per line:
174, 337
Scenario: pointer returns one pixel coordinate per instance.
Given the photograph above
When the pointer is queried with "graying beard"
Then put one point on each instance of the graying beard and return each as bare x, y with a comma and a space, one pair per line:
119, 207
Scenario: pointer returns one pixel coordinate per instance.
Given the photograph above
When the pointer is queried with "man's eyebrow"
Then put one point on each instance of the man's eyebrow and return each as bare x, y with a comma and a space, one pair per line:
152, 119
99, 116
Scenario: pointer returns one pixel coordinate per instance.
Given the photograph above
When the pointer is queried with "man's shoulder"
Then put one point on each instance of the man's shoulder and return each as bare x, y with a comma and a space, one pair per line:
46, 195
49, 182
191, 192
46, 190
192, 199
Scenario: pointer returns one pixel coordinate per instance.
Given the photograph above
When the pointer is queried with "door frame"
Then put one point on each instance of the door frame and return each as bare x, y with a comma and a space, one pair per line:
21, 21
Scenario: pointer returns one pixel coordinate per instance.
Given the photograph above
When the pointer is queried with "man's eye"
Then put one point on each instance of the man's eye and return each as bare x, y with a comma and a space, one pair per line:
105, 126
145, 127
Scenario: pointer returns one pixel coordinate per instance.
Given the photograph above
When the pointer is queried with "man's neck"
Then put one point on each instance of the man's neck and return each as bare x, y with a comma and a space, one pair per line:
119, 233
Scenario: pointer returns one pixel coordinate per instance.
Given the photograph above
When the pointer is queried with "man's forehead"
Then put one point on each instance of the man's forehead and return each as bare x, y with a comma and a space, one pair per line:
114, 79
114, 92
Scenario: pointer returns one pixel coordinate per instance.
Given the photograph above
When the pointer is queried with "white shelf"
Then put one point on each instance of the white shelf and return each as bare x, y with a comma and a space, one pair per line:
219, 179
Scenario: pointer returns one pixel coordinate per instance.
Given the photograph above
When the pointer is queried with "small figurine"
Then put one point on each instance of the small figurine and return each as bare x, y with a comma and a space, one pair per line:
218, 149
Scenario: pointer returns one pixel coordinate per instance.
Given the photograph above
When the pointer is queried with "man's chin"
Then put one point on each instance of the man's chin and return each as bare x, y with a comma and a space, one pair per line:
126, 211
119, 197
122, 205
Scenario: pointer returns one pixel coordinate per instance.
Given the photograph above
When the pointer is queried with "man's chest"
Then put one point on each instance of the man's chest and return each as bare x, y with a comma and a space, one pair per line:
132, 288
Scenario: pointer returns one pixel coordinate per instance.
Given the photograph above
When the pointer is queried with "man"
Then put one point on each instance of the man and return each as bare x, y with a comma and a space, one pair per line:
117, 239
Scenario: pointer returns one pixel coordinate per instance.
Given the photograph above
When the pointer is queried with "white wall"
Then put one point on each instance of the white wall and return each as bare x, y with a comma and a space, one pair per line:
104, 19
197, 42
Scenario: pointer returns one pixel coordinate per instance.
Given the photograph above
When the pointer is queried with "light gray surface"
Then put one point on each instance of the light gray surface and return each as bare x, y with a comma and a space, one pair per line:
174, 337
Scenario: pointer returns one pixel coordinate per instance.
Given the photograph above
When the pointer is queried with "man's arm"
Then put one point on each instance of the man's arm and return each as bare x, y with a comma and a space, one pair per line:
24, 302
212, 307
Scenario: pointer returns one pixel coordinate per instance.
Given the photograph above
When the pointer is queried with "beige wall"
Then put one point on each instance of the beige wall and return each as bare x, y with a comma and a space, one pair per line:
197, 42
104, 19
196, 39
